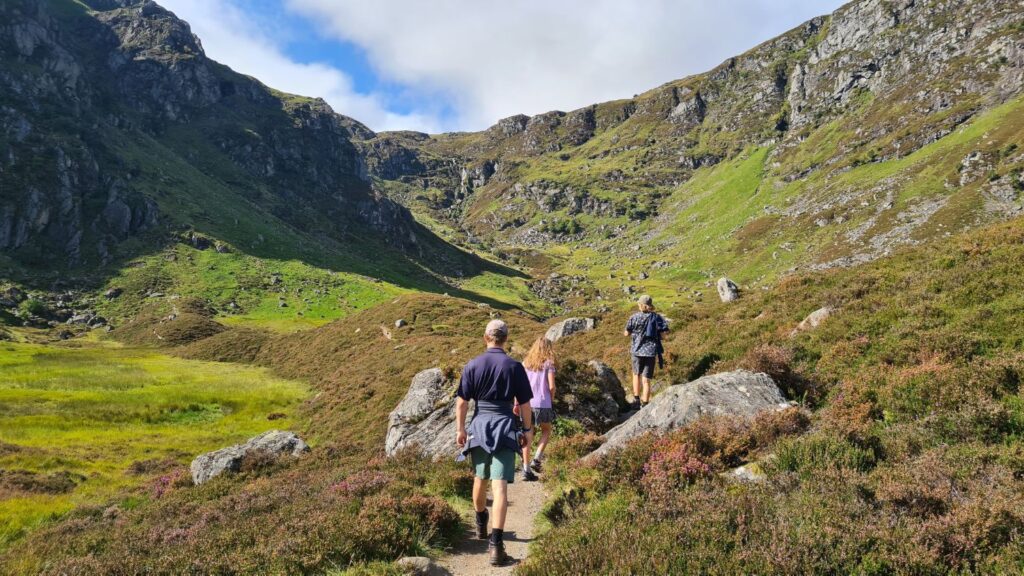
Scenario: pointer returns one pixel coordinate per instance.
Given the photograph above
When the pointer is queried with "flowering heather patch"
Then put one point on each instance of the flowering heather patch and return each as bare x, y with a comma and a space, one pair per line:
671, 468
362, 483
309, 517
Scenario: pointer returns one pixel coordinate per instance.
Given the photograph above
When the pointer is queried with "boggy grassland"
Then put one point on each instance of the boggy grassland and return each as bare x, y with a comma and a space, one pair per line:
89, 423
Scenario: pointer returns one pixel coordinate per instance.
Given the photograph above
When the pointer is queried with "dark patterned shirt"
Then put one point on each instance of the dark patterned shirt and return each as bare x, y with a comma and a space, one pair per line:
636, 326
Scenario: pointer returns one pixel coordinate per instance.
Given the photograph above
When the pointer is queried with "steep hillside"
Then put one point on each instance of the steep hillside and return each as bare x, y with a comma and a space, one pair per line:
121, 140
884, 124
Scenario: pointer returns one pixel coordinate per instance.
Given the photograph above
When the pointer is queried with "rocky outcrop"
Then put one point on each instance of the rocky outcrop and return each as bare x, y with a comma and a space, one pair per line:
739, 393
425, 419
568, 327
273, 445
132, 71
590, 394
728, 291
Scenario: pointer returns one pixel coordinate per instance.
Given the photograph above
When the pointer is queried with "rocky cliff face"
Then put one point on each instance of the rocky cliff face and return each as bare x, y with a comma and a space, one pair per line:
79, 89
873, 83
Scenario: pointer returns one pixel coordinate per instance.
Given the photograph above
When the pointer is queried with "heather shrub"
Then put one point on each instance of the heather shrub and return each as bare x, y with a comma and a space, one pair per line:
671, 467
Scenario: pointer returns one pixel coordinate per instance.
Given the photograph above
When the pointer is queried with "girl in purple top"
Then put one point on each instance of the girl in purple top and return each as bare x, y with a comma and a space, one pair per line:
540, 364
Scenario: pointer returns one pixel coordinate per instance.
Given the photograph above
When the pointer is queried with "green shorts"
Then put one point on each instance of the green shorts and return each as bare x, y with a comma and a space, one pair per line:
500, 465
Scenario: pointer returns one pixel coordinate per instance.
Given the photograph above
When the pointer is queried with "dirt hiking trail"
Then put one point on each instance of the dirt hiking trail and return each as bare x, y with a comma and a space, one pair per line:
469, 557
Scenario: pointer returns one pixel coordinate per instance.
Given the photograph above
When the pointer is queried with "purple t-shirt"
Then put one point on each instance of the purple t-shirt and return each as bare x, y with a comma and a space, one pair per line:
539, 386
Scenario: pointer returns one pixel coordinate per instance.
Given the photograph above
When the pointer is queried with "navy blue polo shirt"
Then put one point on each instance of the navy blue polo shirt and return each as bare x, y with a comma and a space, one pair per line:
495, 377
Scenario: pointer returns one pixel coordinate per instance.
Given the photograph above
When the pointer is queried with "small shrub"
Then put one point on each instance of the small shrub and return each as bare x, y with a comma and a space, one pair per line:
567, 427
807, 455
34, 307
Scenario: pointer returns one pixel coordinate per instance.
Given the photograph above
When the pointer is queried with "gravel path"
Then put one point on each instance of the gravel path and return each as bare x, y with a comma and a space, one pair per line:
469, 557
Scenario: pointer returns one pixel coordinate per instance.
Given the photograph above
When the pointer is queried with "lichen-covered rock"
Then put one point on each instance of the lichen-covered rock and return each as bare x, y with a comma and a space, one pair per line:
275, 444
739, 393
425, 418
570, 326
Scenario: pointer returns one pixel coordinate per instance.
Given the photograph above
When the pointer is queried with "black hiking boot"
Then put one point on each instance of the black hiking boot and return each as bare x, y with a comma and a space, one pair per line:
481, 526
528, 475
536, 465
497, 553
635, 405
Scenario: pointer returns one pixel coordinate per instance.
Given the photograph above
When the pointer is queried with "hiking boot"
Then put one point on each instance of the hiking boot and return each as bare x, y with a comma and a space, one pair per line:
497, 553
635, 405
535, 465
528, 475
481, 527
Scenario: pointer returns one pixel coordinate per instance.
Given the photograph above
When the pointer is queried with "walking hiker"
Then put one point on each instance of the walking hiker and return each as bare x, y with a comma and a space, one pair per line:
540, 364
494, 437
645, 328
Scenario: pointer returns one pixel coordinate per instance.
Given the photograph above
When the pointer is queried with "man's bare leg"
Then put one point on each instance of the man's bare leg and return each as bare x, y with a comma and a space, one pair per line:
479, 494
646, 396
500, 490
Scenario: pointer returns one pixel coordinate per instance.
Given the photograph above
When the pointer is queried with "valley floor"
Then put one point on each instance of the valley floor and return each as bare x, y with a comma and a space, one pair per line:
87, 423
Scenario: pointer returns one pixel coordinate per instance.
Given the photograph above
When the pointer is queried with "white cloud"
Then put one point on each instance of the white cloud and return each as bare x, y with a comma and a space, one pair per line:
495, 58
230, 36
488, 59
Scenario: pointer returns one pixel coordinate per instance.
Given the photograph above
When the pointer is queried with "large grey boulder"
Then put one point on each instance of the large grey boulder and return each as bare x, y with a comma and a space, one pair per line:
728, 291
739, 393
275, 443
425, 418
570, 326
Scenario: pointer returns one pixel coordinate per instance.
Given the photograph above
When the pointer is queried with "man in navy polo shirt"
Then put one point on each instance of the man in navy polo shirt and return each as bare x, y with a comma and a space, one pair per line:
494, 438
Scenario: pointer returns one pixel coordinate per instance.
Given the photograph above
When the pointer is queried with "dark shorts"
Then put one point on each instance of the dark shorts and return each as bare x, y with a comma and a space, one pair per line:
543, 415
644, 366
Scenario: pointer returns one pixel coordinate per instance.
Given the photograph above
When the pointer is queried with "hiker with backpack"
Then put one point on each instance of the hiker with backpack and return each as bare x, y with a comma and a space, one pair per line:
495, 382
540, 363
646, 328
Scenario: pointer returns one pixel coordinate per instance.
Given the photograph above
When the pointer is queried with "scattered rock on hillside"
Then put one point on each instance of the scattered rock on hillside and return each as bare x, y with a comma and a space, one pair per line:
420, 566
275, 444
814, 319
728, 291
14, 294
400, 323
739, 393
570, 326
425, 417
113, 293
748, 473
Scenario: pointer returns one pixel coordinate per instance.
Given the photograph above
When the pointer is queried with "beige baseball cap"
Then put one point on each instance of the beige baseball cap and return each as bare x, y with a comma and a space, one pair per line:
645, 300
496, 329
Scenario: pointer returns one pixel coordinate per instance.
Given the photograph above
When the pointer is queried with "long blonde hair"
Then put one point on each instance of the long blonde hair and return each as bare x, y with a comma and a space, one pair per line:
541, 353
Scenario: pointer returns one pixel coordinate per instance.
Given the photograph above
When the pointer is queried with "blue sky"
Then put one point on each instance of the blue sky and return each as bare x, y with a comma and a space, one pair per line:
444, 65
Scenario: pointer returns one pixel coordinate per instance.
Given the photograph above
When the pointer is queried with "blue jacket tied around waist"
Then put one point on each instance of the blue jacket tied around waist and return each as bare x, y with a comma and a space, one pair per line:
494, 427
